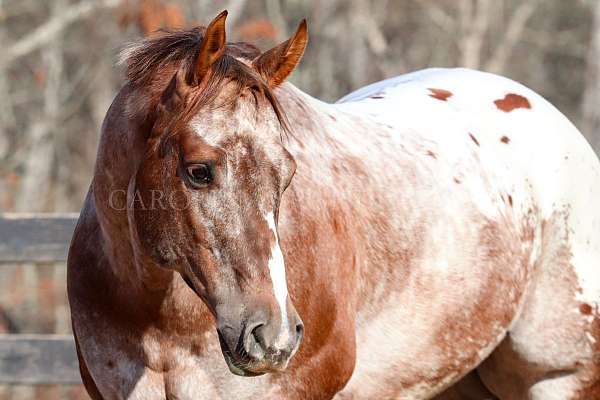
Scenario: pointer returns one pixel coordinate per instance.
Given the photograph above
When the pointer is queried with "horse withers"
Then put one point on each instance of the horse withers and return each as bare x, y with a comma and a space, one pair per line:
433, 234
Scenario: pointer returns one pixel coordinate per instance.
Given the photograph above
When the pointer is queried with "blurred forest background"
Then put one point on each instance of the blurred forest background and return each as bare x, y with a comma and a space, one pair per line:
58, 75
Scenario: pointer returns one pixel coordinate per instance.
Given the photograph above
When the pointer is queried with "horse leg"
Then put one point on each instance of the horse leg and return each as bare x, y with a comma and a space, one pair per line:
470, 387
551, 352
88, 382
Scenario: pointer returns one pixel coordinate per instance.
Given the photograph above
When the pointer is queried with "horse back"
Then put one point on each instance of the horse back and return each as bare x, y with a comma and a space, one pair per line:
531, 156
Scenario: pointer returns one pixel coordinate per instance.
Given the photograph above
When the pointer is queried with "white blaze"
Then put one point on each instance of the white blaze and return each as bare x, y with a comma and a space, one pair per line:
277, 271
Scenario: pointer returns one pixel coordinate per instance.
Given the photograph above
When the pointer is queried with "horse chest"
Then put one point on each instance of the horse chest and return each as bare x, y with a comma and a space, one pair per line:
166, 369
134, 381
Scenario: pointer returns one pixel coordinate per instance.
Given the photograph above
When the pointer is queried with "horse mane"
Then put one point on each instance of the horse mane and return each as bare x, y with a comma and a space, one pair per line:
154, 60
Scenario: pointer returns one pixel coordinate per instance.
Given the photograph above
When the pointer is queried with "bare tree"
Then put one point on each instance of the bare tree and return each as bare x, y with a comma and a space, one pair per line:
35, 181
47, 32
474, 23
590, 107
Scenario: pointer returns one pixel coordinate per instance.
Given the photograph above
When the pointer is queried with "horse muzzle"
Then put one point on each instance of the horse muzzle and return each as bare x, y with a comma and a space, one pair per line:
260, 346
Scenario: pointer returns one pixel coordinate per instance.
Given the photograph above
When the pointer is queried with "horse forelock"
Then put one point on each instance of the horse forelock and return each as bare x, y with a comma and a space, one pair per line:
154, 63
146, 57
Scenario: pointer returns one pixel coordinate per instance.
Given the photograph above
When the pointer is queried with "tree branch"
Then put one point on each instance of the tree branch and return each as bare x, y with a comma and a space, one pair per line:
46, 32
474, 24
514, 31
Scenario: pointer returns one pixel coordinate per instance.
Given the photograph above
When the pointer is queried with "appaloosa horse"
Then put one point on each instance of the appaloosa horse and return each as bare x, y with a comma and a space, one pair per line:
439, 228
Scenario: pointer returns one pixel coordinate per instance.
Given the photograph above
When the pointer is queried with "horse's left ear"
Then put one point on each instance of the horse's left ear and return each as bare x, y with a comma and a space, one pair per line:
211, 48
276, 64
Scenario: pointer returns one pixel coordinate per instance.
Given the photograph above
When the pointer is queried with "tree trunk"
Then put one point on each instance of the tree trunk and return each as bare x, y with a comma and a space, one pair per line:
590, 107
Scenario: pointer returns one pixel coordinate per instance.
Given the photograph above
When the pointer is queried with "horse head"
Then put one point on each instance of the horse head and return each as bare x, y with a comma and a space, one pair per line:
214, 172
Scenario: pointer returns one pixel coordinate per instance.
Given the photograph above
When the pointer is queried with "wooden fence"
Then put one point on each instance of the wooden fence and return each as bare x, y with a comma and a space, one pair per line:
36, 359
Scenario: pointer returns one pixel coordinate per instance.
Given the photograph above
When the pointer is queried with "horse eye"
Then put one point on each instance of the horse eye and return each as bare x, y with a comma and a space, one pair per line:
199, 174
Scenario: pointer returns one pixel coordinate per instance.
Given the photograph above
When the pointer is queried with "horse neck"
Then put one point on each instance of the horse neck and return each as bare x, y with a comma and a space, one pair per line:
122, 146
320, 131
331, 147
310, 119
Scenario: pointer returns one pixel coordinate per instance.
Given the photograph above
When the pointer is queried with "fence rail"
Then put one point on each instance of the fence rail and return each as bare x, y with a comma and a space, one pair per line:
35, 237
37, 359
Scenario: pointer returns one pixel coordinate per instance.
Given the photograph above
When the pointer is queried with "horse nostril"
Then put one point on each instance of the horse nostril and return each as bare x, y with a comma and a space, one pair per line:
255, 341
257, 334
299, 332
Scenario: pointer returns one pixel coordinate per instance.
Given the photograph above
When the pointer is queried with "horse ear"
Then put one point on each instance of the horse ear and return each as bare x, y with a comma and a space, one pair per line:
211, 48
276, 64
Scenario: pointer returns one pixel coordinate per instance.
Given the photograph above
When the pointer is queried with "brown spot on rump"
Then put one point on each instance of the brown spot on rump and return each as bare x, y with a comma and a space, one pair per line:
585, 309
457, 180
332, 118
511, 102
474, 139
431, 154
510, 200
440, 94
505, 139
